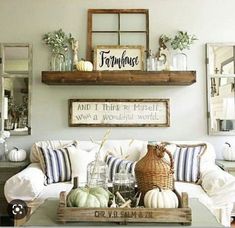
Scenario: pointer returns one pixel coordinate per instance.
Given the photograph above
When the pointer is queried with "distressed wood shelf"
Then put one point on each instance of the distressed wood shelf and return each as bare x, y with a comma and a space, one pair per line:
127, 78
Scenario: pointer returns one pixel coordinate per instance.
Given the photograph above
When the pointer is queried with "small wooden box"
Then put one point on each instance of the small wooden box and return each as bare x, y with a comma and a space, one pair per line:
182, 215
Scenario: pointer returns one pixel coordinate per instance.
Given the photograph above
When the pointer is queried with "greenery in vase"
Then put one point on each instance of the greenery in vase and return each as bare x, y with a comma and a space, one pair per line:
57, 40
182, 40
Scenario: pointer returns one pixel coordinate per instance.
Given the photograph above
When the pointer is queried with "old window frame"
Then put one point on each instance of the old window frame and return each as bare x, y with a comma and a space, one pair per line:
119, 12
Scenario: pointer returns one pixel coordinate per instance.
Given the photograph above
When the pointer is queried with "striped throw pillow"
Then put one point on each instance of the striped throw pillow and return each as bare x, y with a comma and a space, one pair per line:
187, 162
56, 164
115, 164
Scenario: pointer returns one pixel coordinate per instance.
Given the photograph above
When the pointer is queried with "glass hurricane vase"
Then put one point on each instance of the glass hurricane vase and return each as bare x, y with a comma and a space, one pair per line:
97, 174
179, 61
124, 183
57, 62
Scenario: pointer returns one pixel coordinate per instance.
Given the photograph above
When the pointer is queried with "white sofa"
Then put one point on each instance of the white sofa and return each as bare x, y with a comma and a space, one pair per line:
216, 189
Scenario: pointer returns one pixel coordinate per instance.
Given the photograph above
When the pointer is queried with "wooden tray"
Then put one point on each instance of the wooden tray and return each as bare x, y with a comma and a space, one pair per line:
182, 215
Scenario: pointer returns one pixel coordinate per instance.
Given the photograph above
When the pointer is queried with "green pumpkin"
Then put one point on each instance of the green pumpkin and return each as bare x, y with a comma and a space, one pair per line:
88, 197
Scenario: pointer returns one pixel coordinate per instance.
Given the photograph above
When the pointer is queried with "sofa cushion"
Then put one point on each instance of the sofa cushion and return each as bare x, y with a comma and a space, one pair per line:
187, 162
79, 160
115, 164
207, 159
54, 144
56, 164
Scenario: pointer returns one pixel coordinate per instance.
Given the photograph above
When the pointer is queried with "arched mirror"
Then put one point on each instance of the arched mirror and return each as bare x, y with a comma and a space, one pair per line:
220, 88
16, 78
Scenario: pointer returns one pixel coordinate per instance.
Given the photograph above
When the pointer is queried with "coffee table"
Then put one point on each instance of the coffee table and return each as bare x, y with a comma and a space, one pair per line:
46, 215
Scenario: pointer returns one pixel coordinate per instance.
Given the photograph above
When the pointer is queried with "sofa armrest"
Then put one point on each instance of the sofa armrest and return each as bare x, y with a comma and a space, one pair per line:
25, 185
219, 185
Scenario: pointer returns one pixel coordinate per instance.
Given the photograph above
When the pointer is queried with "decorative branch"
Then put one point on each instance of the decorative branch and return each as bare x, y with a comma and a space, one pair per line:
105, 138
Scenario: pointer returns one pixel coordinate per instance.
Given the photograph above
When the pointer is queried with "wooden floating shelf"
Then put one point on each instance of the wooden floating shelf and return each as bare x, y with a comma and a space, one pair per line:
127, 78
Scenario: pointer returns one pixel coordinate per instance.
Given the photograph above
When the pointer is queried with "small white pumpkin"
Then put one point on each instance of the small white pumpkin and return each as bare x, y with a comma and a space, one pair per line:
228, 152
84, 66
17, 155
158, 198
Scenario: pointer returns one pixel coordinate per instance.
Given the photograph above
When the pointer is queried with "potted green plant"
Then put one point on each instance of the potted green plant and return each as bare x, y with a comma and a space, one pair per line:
181, 41
59, 43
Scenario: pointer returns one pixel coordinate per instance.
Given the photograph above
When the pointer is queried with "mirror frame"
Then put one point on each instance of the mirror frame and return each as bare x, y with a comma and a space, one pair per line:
29, 75
208, 81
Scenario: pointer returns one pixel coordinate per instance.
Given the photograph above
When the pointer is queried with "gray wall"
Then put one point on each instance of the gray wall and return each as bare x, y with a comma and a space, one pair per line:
28, 20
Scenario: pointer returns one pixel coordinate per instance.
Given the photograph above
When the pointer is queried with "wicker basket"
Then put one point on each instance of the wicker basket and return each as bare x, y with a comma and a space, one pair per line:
152, 170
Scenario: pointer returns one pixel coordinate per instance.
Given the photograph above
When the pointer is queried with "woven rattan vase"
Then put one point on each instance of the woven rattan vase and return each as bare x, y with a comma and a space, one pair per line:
152, 170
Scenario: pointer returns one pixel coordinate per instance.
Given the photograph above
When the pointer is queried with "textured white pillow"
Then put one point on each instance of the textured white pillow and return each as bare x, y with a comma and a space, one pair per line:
25, 185
79, 160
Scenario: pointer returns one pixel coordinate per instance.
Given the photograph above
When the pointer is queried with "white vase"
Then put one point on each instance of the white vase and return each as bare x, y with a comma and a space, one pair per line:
179, 61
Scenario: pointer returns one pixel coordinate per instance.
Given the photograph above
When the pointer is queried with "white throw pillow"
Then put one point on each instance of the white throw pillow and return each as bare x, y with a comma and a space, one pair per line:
79, 160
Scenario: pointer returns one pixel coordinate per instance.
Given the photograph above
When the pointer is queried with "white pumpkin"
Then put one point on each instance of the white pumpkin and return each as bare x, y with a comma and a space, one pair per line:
228, 152
158, 198
84, 66
17, 155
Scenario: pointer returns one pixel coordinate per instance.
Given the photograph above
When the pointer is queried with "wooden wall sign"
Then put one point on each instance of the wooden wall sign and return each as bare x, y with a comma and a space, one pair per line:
118, 57
119, 113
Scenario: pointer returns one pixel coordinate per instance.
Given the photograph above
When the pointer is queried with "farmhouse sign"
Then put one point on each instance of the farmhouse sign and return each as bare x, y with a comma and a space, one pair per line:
120, 113
118, 58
